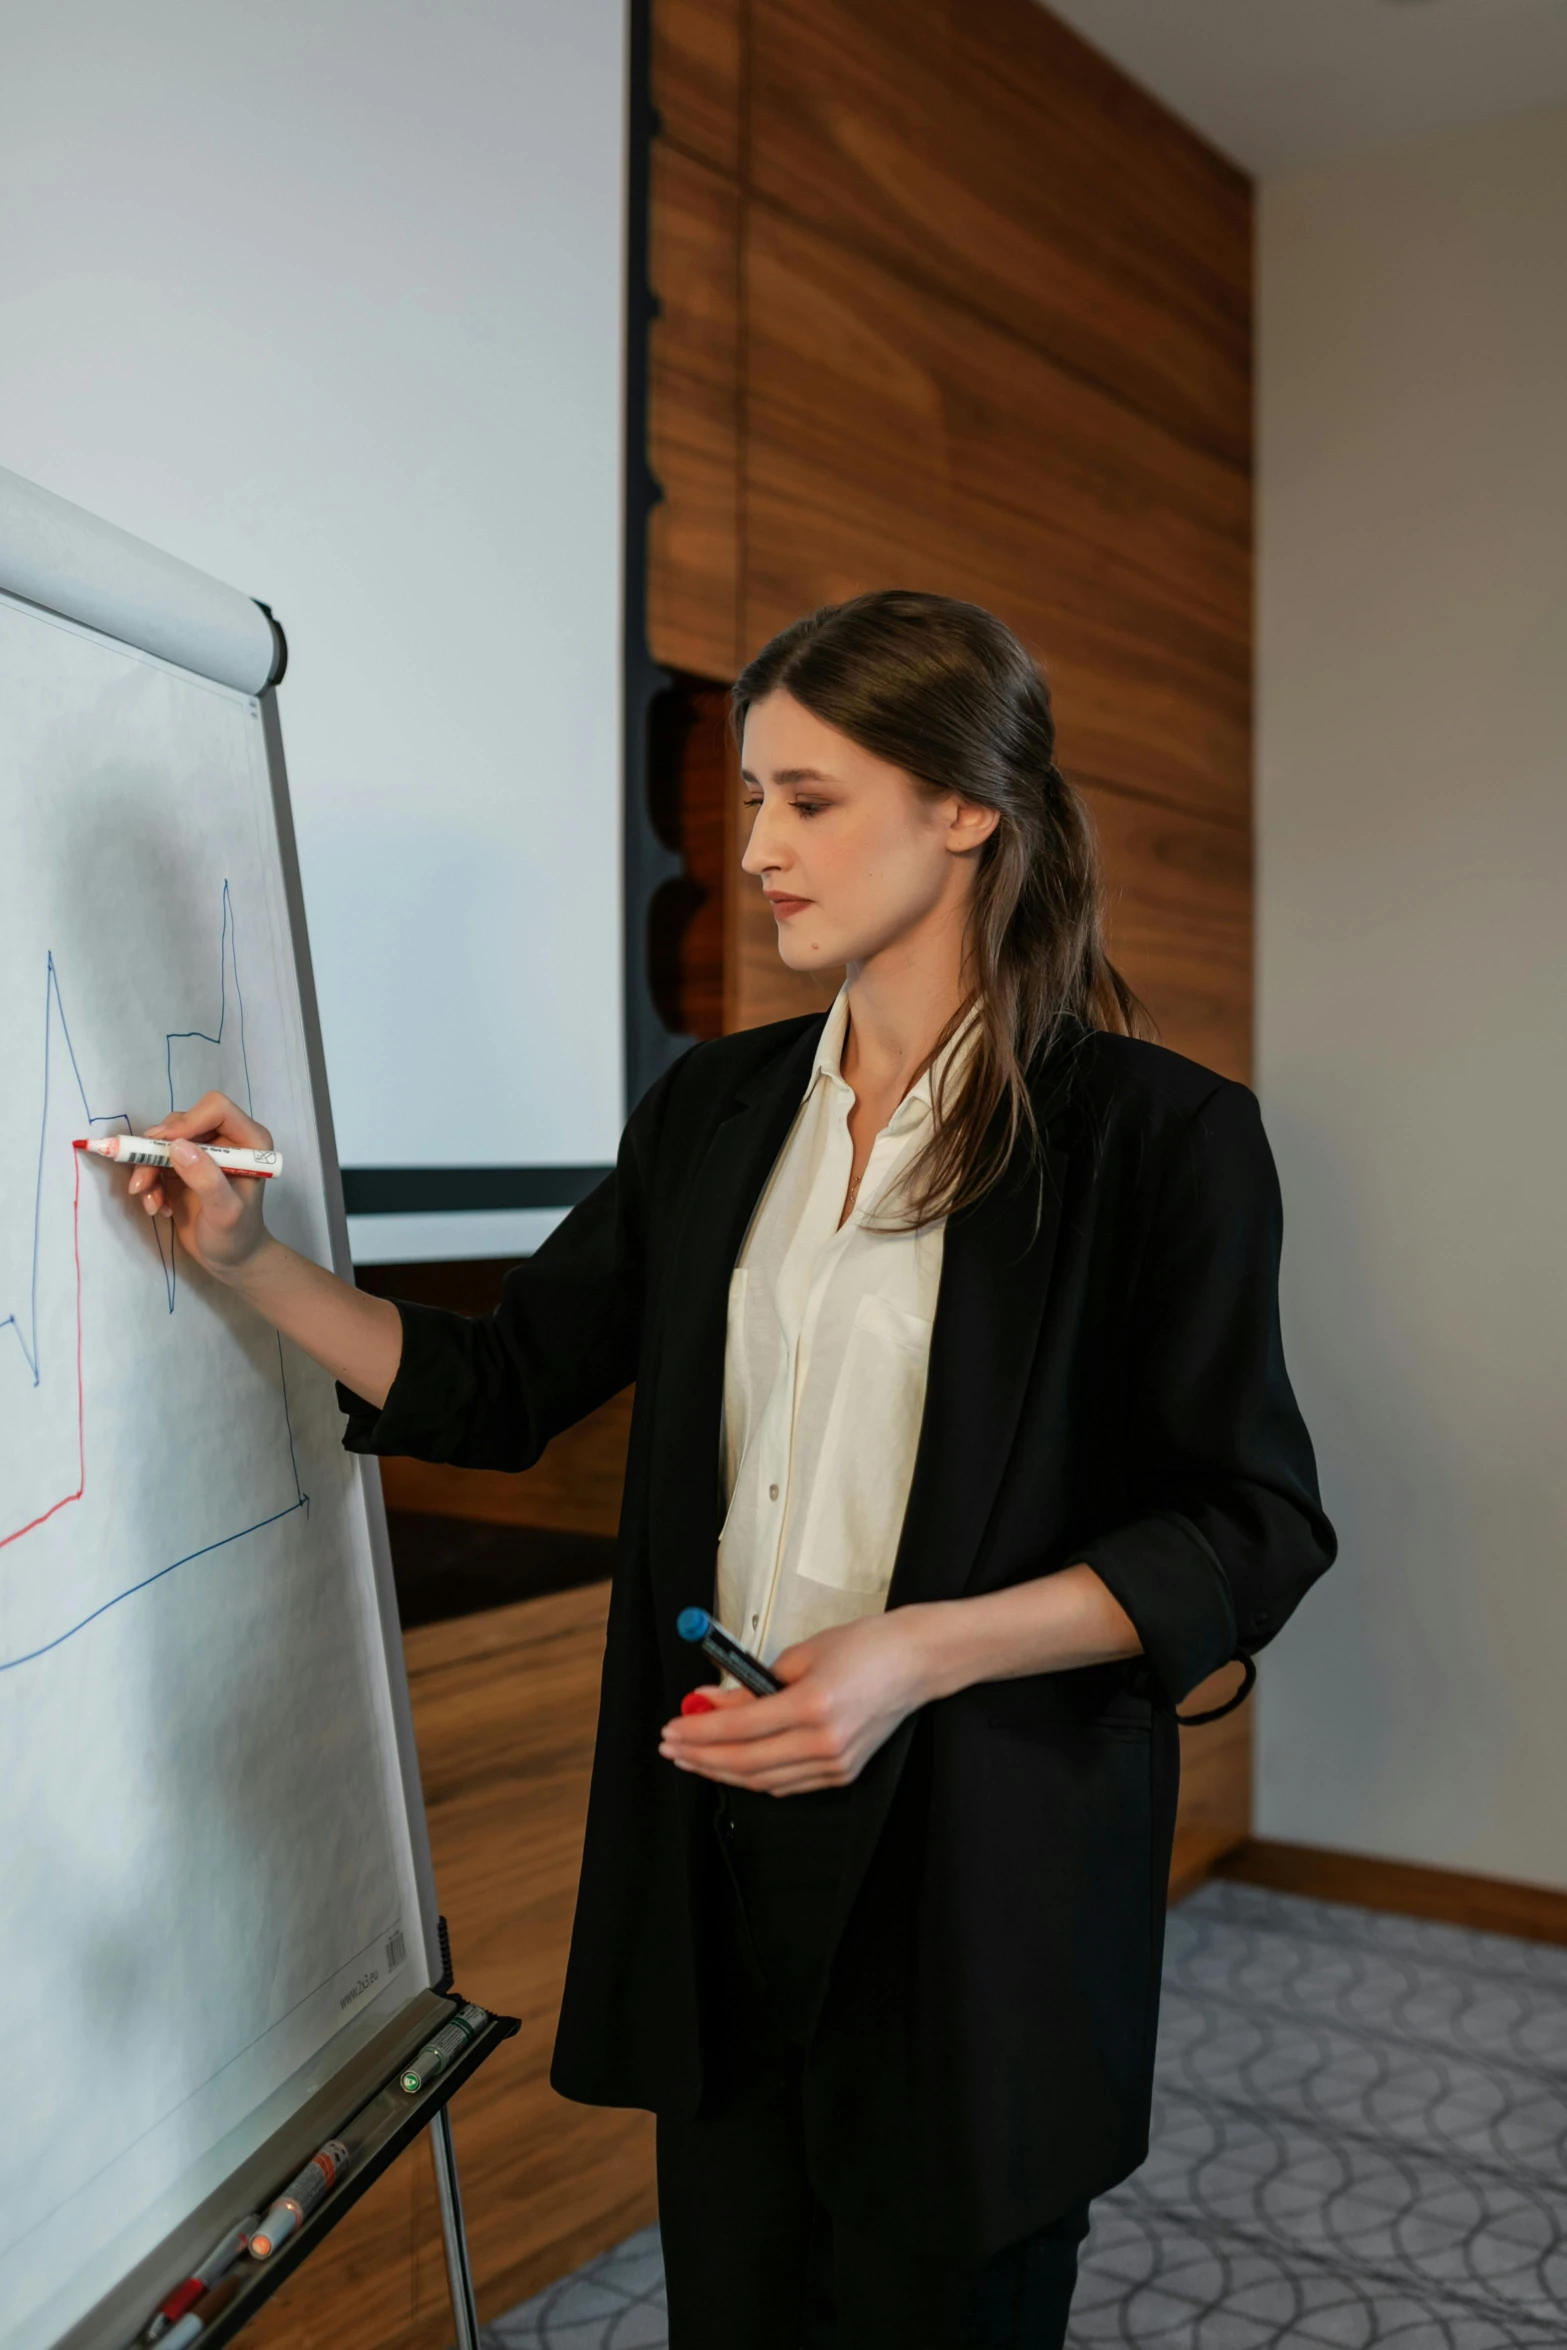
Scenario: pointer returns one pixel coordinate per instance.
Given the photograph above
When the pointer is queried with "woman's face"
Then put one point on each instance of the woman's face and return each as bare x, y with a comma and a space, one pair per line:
854, 857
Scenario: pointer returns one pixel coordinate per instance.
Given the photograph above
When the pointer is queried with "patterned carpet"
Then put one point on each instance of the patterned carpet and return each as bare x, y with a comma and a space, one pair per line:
1360, 2139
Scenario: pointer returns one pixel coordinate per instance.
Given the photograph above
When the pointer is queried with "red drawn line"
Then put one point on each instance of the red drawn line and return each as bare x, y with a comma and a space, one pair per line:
81, 1403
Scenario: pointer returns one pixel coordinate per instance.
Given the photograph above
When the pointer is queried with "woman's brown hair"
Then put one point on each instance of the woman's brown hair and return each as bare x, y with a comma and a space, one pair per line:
945, 691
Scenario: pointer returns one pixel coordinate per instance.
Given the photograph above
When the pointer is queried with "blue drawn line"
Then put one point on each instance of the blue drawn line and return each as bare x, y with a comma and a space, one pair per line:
228, 948
9, 1664
302, 1498
54, 1002
228, 960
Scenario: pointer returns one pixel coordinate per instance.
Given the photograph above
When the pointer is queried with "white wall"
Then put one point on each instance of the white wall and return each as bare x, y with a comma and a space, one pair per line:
1412, 1008
327, 298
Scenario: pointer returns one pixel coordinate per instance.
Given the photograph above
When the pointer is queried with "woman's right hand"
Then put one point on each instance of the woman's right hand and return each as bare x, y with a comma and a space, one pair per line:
357, 1337
218, 1217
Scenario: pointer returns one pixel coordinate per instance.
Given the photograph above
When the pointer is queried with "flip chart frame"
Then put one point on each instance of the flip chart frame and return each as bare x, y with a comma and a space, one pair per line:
368, 2077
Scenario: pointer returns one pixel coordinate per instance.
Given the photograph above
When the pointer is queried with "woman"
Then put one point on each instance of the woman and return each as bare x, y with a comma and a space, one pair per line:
954, 1329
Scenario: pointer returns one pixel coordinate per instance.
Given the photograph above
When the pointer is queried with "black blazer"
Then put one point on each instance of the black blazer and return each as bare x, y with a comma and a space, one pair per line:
1106, 1383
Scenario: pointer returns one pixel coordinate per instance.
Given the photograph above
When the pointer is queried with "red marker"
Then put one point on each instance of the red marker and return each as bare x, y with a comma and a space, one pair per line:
195, 2322
139, 1150
185, 2296
697, 1701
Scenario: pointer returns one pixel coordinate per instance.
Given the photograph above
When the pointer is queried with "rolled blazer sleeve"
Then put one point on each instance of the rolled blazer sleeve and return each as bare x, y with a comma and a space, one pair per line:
1233, 1533
489, 1391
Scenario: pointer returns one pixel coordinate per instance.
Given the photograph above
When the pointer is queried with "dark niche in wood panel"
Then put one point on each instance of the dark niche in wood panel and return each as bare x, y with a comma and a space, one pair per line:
690, 790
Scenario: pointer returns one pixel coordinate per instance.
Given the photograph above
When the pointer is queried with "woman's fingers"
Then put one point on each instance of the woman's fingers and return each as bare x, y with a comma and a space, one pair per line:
846, 1690
744, 1760
712, 1699
795, 1779
218, 1196
737, 1714
213, 1119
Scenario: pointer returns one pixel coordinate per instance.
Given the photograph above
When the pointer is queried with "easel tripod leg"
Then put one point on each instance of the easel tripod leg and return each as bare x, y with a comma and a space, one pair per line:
458, 2276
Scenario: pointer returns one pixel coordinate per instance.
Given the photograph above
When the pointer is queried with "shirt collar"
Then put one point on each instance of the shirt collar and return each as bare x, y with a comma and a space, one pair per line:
917, 1103
829, 1052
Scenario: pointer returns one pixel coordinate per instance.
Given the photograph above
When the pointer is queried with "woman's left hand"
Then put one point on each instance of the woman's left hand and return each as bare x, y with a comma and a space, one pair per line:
847, 1691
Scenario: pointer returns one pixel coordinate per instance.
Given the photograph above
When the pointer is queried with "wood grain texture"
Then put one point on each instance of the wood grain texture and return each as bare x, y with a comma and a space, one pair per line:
1131, 709
980, 149
1215, 1806
697, 62
504, 1710
858, 371
693, 585
1179, 922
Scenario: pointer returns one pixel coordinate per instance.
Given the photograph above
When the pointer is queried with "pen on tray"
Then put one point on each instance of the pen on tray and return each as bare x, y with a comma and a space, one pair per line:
450, 2041
202, 2278
299, 2198
195, 2322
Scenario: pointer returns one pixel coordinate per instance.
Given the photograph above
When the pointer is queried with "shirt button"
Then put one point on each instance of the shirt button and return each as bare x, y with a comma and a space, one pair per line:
772, 1493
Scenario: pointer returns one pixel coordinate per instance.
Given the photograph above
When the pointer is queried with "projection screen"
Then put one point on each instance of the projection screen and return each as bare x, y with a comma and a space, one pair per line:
329, 300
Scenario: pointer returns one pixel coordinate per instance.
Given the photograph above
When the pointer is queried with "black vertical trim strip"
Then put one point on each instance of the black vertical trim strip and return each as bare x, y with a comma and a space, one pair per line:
429, 1191
650, 1046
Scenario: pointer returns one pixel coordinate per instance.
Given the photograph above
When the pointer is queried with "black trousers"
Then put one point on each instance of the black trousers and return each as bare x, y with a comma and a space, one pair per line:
752, 2260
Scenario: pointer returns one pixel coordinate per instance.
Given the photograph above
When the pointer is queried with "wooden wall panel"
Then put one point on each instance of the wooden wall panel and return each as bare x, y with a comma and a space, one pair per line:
857, 370
1215, 1808
1179, 922
697, 67
694, 389
978, 147
694, 417
1132, 710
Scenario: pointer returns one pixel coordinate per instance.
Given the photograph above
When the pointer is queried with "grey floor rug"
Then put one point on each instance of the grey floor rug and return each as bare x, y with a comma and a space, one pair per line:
1360, 2139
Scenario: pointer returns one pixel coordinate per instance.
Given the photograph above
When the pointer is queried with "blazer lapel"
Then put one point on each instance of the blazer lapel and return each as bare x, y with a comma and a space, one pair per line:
995, 1275
719, 1204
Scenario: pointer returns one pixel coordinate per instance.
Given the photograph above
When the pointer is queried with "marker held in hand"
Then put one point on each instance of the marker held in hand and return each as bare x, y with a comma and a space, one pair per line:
140, 1150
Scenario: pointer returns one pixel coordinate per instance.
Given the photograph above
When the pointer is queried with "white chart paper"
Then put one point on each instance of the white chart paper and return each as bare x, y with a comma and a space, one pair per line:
208, 1874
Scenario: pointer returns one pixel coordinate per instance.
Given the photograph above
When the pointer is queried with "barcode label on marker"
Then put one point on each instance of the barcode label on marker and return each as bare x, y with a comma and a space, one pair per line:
396, 1950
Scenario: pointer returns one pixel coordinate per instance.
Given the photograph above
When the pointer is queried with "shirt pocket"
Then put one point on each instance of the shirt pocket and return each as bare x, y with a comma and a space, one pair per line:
860, 1492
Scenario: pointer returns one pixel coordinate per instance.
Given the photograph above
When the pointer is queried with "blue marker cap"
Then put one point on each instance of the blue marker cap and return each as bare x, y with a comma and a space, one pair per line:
693, 1623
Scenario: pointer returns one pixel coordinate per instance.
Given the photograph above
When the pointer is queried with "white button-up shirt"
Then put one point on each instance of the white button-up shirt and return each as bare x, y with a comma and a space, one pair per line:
824, 1372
